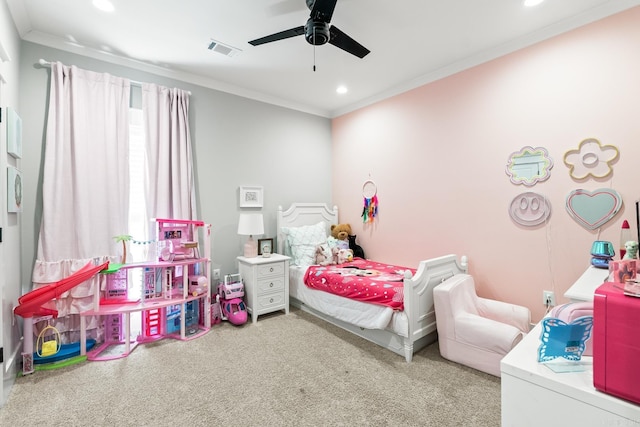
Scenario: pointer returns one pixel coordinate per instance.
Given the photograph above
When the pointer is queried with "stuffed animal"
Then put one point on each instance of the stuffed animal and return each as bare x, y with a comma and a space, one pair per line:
341, 232
357, 249
325, 255
345, 255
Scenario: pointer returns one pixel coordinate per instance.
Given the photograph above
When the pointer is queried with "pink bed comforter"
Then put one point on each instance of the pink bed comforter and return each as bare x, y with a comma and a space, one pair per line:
362, 280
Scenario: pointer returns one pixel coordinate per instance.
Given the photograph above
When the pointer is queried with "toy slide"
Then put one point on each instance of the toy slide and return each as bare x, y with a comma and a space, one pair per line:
30, 304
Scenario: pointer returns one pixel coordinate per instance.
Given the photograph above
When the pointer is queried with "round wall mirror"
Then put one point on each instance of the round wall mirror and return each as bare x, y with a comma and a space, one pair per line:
529, 166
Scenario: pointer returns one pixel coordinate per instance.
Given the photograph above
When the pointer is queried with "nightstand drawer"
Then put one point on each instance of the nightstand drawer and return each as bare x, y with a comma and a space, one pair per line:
266, 284
275, 269
270, 301
270, 285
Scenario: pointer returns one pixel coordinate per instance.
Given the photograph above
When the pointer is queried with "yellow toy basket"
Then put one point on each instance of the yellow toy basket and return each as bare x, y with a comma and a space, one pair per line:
48, 347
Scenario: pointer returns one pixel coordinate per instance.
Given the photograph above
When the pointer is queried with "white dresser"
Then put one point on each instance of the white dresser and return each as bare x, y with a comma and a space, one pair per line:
533, 395
266, 284
584, 288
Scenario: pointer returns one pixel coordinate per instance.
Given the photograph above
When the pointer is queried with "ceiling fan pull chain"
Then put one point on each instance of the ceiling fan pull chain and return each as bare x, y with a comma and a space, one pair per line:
314, 49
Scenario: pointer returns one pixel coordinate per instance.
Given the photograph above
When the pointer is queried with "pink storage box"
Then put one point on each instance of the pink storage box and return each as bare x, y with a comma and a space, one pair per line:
570, 312
616, 342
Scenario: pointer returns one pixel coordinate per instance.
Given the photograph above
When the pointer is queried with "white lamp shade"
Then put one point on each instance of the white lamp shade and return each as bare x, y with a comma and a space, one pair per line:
250, 224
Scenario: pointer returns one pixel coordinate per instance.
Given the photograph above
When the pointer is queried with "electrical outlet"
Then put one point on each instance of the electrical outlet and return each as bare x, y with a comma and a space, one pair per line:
216, 274
548, 298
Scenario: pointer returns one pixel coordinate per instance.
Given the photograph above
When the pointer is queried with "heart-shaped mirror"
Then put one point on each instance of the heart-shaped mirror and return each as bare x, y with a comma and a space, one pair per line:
593, 209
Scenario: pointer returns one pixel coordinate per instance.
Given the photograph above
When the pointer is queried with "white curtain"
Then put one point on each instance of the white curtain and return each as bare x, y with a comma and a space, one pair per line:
170, 185
85, 180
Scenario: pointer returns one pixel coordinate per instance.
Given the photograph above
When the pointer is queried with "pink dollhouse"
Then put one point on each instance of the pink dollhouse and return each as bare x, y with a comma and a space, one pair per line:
169, 295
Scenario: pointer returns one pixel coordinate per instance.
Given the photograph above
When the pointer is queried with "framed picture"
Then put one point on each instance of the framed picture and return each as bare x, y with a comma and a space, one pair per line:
251, 197
14, 133
14, 190
265, 246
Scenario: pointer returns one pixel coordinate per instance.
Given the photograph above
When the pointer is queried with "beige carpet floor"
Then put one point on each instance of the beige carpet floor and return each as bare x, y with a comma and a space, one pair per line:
286, 370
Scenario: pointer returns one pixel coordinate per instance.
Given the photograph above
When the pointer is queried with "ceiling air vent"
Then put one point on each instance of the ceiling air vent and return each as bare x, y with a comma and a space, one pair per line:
223, 49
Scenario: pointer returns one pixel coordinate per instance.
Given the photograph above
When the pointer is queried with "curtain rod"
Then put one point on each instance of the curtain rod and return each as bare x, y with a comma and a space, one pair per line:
45, 63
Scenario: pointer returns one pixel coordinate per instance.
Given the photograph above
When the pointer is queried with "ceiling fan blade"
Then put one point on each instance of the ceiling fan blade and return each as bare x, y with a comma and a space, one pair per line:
323, 9
297, 31
346, 43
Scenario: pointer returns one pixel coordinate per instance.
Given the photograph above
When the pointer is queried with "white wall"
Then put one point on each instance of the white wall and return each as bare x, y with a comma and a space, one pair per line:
10, 281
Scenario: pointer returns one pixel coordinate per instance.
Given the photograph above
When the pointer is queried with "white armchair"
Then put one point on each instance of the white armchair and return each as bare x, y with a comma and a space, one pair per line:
474, 331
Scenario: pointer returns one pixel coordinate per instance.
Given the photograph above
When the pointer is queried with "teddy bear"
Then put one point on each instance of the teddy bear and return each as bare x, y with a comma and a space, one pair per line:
341, 232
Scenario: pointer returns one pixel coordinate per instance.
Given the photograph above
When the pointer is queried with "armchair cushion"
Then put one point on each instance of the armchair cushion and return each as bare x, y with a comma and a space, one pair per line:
485, 333
475, 331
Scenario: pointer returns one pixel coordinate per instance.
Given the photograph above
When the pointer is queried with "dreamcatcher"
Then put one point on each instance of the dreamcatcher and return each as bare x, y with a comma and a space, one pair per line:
370, 195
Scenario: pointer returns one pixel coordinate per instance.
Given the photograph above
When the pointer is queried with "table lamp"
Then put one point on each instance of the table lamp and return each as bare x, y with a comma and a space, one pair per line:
250, 224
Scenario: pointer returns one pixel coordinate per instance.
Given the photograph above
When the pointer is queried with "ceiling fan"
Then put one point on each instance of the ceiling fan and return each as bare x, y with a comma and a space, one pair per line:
318, 30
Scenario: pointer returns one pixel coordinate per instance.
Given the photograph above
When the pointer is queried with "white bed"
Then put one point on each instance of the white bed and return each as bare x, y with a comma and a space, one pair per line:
403, 332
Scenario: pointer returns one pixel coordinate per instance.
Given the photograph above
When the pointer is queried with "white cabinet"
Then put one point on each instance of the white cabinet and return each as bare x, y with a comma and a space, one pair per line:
534, 395
586, 285
266, 284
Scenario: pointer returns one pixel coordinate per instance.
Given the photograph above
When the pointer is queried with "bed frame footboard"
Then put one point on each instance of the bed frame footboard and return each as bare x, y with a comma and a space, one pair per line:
418, 299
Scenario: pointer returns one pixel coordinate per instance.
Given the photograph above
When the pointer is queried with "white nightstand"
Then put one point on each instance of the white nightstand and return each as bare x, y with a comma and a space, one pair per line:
266, 284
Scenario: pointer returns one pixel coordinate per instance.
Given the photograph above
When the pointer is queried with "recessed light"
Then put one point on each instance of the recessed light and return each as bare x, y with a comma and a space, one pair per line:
341, 90
531, 3
104, 5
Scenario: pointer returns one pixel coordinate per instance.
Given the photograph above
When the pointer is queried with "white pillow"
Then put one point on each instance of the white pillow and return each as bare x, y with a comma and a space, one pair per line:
304, 240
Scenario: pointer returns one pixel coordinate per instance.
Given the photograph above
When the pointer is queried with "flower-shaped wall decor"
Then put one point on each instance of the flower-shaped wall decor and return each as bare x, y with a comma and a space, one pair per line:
591, 158
529, 166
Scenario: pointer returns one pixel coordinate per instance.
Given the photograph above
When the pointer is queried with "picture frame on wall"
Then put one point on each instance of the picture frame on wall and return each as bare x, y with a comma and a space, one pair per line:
14, 133
265, 246
251, 196
14, 190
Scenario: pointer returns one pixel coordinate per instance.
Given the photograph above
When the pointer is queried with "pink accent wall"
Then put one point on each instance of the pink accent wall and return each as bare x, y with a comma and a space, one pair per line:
438, 155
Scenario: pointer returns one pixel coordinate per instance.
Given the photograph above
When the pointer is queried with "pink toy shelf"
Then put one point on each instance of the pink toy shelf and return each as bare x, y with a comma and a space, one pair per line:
170, 295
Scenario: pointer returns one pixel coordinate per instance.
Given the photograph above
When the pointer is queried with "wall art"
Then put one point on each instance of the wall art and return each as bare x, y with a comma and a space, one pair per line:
251, 197
593, 209
14, 133
14, 190
591, 159
530, 209
529, 166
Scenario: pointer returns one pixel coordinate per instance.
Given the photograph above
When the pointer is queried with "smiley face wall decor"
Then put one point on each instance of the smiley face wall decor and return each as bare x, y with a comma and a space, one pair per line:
529, 209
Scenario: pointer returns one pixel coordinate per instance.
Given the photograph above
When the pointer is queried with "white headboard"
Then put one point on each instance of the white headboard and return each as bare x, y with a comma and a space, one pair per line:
300, 214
